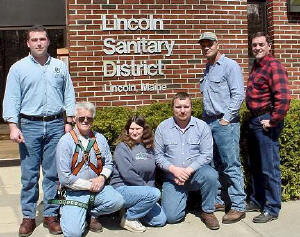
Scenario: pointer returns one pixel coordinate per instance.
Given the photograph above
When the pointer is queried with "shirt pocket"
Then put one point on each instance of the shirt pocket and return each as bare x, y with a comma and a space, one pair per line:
194, 145
171, 147
56, 79
218, 84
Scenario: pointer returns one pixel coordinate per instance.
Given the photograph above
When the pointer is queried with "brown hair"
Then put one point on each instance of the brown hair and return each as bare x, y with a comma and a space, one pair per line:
147, 138
259, 34
36, 28
182, 96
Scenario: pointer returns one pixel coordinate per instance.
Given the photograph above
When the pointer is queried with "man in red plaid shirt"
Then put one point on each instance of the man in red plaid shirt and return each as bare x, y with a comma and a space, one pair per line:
268, 99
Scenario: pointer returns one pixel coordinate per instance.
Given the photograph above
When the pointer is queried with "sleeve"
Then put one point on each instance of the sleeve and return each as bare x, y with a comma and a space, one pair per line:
123, 160
237, 95
160, 158
203, 79
81, 184
106, 155
12, 97
280, 91
206, 147
64, 155
69, 94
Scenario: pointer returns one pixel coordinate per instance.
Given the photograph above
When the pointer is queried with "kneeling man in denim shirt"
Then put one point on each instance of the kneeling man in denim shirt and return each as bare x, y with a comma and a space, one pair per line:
184, 150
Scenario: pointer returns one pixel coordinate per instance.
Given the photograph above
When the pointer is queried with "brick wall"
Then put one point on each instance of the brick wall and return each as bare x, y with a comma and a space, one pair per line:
183, 21
284, 29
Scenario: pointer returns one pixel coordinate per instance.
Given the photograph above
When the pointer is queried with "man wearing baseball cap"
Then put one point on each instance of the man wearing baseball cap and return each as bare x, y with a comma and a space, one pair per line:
208, 36
222, 88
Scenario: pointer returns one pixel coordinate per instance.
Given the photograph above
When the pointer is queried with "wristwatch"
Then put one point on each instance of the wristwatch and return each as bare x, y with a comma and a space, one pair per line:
70, 123
105, 178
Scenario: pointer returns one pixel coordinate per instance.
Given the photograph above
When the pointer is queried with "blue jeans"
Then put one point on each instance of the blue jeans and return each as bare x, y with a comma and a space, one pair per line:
227, 163
264, 164
73, 218
174, 197
141, 203
41, 139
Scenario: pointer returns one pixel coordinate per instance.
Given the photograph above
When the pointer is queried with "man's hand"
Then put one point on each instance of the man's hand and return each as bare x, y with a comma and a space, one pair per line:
97, 184
189, 170
15, 133
223, 122
265, 124
178, 182
68, 128
181, 174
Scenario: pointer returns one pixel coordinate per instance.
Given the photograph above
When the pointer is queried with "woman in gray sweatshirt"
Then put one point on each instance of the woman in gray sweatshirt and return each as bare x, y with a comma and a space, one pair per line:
134, 176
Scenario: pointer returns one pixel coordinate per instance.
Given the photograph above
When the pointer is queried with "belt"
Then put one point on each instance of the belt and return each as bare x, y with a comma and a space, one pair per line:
256, 113
42, 118
213, 117
87, 206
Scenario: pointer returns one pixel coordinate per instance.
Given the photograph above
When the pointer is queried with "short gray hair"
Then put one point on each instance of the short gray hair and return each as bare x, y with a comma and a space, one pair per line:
86, 106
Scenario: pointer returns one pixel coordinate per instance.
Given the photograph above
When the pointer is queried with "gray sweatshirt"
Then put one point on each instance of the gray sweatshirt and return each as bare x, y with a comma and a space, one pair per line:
133, 167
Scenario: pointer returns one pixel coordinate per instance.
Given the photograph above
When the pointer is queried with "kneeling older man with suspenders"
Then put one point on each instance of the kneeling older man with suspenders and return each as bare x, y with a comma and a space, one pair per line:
84, 162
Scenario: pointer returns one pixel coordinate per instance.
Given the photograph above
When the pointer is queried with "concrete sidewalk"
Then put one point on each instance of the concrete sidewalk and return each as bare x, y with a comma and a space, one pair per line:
10, 218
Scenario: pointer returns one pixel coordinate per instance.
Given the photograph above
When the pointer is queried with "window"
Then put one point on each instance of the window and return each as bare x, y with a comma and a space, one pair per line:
257, 21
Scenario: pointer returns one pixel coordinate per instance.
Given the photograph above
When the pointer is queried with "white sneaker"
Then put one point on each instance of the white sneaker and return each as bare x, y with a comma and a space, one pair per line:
133, 226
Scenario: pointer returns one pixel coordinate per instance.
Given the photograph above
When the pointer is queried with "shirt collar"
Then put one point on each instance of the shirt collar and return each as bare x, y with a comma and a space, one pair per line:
191, 123
264, 60
34, 60
220, 60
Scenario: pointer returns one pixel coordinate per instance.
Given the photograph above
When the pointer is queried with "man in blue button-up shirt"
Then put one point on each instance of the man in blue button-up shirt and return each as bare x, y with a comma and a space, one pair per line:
38, 93
184, 150
223, 93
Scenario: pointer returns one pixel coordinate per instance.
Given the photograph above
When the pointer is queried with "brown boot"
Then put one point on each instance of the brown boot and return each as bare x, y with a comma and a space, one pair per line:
95, 225
210, 220
52, 223
219, 207
233, 216
27, 227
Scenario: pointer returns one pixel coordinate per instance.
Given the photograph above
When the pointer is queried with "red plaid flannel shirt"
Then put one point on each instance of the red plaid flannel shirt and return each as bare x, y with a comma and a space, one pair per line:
268, 87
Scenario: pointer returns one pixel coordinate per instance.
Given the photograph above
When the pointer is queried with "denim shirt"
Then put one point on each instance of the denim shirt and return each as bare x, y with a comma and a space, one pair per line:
64, 155
40, 90
223, 89
192, 147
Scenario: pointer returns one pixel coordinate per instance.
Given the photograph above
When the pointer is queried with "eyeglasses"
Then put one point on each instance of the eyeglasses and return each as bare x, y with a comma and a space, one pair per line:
88, 119
207, 44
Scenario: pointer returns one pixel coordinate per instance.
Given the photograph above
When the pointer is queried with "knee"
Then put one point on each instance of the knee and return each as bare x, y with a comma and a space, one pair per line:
151, 194
73, 231
173, 217
155, 194
211, 176
162, 220
116, 202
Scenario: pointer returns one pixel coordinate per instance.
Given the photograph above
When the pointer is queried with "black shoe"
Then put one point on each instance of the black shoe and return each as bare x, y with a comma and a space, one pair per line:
252, 207
264, 217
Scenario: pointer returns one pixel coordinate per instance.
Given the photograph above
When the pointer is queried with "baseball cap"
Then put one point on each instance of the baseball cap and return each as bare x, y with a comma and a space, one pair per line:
208, 36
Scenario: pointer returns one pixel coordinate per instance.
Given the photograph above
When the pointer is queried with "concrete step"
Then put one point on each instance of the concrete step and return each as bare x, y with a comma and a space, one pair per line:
8, 149
4, 132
